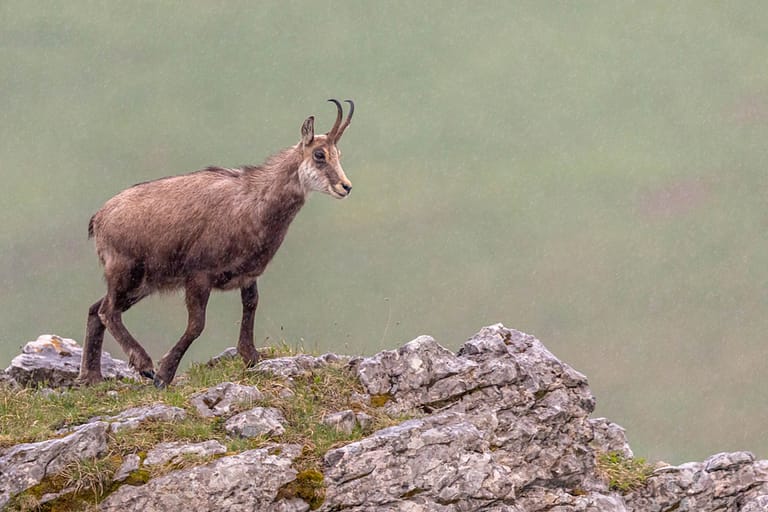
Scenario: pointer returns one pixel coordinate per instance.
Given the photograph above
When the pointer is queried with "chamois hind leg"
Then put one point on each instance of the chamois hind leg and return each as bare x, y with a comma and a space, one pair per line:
122, 293
90, 364
197, 294
245, 347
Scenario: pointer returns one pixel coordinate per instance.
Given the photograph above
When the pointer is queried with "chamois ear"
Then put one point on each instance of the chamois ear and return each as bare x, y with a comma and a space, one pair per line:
308, 131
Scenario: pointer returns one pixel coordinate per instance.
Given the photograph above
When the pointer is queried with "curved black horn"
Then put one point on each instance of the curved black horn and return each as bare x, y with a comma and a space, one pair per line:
332, 132
347, 120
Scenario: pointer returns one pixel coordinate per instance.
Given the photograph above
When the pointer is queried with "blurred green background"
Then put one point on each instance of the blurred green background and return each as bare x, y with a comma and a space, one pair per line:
589, 172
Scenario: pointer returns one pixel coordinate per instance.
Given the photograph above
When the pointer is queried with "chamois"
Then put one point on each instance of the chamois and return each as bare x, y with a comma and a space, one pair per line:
212, 229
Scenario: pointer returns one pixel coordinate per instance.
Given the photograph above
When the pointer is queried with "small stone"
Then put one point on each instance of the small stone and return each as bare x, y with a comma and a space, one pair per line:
343, 421
330, 358
228, 353
364, 420
219, 400
50, 496
259, 421
47, 392
130, 464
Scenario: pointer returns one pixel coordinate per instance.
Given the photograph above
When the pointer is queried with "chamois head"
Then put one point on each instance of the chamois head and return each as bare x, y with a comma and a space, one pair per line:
320, 168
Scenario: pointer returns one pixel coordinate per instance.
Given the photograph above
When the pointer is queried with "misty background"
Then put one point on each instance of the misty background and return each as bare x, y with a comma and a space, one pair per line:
593, 173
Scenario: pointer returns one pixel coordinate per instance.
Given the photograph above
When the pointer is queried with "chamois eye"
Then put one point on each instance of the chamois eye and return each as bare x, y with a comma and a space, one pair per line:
319, 155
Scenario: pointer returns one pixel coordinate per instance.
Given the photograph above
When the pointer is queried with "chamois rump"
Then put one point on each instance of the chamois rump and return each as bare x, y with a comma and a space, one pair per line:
211, 229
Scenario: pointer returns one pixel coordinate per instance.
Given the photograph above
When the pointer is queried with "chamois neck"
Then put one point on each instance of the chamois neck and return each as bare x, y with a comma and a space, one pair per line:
278, 177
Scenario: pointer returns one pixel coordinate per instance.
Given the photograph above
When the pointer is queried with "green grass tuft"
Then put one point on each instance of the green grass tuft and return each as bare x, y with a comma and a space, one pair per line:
624, 474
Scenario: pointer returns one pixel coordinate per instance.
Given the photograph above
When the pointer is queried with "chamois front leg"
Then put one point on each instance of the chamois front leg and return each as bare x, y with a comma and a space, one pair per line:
197, 294
245, 347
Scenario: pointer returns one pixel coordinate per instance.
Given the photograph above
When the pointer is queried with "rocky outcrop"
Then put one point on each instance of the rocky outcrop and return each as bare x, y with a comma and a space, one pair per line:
499, 425
504, 416
55, 362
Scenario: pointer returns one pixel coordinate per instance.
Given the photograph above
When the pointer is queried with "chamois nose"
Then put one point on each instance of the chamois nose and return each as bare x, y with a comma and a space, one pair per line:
347, 187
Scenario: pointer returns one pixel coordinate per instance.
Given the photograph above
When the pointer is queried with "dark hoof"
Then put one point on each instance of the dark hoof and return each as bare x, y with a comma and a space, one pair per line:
253, 359
148, 374
159, 383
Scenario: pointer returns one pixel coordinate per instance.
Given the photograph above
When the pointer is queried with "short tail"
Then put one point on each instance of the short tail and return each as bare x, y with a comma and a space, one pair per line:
90, 227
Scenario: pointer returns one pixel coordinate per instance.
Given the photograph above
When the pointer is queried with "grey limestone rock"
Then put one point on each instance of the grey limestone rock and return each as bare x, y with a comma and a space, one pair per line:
756, 504
290, 367
725, 460
227, 353
364, 420
502, 415
130, 464
725, 481
343, 421
259, 421
130, 419
175, 451
418, 364
433, 462
55, 361
244, 482
219, 400
25, 465
424, 375
609, 437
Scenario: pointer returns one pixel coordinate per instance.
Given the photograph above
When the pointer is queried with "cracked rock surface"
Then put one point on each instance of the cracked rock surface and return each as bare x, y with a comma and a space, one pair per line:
25, 465
247, 481
174, 451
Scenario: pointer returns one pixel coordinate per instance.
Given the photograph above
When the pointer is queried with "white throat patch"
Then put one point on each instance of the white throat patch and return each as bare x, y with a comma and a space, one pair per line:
310, 179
